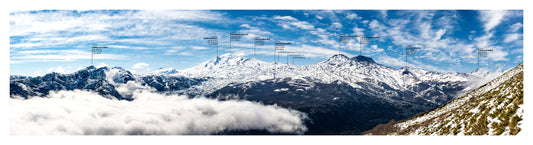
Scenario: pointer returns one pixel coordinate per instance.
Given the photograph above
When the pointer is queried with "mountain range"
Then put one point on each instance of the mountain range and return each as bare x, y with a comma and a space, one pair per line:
341, 95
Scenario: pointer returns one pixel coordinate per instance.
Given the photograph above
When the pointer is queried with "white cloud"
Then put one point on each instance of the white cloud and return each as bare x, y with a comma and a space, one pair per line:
47, 29
140, 65
427, 32
325, 39
185, 53
512, 37
101, 64
358, 31
285, 26
60, 55
319, 17
383, 14
58, 69
439, 34
515, 27
390, 61
28, 23
425, 29
288, 21
303, 25
87, 113
255, 32
498, 54
517, 51
288, 18
245, 25
484, 40
336, 25
313, 51
436, 47
376, 49
199, 48
54, 40
177, 15
127, 47
171, 52
353, 16
377, 27
492, 18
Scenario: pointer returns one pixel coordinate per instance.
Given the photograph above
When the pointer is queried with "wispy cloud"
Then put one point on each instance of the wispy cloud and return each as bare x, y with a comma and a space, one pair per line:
55, 40
515, 27
512, 37
255, 32
60, 55
492, 18
390, 61
431, 37
289, 22
313, 51
127, 47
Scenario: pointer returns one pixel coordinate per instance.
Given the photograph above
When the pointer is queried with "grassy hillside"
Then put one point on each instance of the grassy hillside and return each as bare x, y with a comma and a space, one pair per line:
492, 109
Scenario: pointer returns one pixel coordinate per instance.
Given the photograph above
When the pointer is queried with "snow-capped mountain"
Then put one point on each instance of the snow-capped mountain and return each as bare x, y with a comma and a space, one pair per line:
492, 109
163, 71
364, 73
344, 95
357, 92
359, 72
91, 78
112, 83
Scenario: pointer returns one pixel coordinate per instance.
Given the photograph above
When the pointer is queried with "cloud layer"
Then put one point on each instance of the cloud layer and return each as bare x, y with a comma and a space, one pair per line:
87, 113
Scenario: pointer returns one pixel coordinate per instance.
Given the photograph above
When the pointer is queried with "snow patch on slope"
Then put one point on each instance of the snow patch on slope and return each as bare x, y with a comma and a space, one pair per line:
459, 102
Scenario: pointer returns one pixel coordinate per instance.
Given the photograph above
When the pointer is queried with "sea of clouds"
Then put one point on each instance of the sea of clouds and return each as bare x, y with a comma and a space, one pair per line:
82, 112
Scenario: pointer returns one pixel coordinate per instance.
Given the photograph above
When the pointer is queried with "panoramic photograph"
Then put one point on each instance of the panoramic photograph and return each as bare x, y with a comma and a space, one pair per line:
372, 72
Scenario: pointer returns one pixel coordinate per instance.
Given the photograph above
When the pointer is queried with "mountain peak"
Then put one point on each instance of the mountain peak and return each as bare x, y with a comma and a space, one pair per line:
91, 67
232, 60
361, 58
164, 71
338, 56
228, 59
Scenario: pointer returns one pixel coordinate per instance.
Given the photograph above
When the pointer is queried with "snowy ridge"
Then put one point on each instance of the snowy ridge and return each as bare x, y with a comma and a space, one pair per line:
91, 78
232, 67
110, 82
228, 69
162, 71
501, 84
359, 72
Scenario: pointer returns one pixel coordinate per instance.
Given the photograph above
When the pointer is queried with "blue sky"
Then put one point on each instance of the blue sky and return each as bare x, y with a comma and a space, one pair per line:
142, 40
